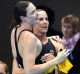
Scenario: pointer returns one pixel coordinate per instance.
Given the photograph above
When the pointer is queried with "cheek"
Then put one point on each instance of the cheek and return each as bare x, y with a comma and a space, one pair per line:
70, 30
37, 26
62, 28
39, 23
48, 23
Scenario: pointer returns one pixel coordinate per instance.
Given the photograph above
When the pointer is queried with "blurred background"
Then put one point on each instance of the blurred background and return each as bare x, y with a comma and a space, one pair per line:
60, 8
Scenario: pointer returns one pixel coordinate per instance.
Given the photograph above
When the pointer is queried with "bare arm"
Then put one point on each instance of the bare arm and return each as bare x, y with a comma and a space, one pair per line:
13, 44
29, 43
16, 69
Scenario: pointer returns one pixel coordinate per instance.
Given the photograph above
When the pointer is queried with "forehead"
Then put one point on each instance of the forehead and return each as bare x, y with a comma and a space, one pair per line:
42, 14
67, 25
30, 8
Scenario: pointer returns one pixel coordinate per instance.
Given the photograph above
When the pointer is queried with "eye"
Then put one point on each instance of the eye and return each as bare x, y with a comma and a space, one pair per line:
33, 11
41, 19
46, 18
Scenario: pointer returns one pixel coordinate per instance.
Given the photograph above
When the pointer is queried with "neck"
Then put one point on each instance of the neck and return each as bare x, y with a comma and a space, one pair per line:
25, 25
42, 38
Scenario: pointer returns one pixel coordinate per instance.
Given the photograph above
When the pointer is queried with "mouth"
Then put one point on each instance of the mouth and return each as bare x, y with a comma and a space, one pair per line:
45, 27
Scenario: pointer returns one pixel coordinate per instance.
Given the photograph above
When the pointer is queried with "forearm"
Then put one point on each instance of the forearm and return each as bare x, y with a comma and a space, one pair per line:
41, 68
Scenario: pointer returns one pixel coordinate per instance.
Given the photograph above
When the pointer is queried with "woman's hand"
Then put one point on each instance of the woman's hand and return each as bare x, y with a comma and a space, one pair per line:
47, 57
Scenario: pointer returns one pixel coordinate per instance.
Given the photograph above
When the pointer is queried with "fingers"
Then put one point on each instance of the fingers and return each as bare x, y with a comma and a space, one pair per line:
66, 52
44, 57
50, 58
58, 39
62, 55
47, 57
55, 38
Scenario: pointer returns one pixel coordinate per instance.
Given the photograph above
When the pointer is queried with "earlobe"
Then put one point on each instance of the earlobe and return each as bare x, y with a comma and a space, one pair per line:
22, 18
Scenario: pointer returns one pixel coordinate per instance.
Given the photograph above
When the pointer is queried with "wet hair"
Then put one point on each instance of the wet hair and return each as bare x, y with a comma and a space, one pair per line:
20, 10
73, 20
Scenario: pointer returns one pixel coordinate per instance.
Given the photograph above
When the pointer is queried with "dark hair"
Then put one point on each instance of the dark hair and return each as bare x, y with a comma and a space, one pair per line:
20, 10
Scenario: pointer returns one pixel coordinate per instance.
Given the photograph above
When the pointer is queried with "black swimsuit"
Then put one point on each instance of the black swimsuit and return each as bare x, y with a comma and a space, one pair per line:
47, 48
19, 58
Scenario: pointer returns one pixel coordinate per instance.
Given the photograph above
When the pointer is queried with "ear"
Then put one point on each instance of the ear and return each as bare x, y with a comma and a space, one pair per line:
22, 18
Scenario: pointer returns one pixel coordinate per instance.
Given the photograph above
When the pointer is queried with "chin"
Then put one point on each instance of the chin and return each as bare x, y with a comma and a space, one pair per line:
44, 31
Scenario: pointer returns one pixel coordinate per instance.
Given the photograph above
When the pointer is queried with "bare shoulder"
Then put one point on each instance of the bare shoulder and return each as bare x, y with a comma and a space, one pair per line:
27, 39
28, 42
27, 36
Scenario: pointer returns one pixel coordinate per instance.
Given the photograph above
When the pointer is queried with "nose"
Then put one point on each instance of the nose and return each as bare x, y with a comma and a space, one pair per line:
65, 29
45, 21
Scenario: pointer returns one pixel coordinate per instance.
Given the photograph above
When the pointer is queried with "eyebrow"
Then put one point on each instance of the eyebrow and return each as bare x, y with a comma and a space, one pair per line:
43, 17
32, 11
